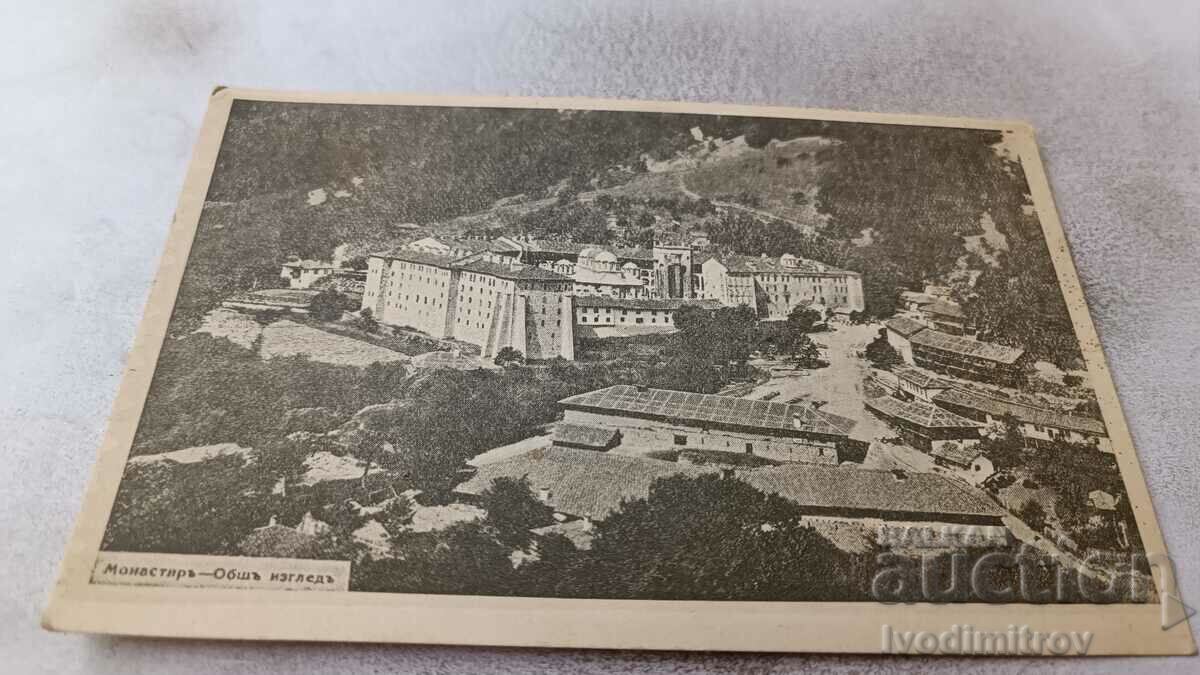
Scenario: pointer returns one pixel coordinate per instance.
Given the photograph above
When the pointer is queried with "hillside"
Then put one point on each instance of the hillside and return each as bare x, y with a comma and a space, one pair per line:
904, 205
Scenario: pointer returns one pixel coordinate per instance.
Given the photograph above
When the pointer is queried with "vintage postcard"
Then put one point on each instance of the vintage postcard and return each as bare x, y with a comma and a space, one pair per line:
618, 374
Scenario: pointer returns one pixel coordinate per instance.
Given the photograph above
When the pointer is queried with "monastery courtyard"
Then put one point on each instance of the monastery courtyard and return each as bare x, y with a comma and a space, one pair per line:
840, 386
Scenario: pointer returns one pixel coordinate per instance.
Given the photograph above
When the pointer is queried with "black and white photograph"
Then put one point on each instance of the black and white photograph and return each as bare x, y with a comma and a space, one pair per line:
595, 354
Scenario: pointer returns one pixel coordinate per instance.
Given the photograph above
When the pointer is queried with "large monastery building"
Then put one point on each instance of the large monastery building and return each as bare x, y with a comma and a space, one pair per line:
776, 286
477, 300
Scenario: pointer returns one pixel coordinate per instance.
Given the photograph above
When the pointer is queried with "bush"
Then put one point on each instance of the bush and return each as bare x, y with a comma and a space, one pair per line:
507, 356
881, 354
1034, 515
328, 305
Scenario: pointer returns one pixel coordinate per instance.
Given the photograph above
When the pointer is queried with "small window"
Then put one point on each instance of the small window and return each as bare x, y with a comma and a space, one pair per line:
750, 448
680, 439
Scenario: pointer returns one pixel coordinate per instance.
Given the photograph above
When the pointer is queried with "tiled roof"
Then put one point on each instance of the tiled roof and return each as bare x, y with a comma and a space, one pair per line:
582, 483
905, 326
760, 265
967, 346
925, 415
709, 409
913, 296
419, 257
585, 435
945, 308
478, 266
1025, 413
584, 275
919, 377
956, 454
642, 303
871, 490
510, 271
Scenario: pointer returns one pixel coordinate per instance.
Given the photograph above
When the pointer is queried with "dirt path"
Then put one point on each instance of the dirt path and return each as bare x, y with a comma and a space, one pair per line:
807, 229
839, 385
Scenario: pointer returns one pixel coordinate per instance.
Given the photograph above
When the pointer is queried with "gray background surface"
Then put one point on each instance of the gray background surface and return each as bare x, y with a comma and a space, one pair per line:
100, 104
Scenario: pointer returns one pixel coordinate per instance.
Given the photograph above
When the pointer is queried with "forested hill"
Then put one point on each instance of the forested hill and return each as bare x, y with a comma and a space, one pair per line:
893, 202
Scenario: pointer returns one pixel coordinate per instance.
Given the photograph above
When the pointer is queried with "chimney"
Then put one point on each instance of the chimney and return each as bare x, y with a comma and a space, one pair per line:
727, 473
544, 495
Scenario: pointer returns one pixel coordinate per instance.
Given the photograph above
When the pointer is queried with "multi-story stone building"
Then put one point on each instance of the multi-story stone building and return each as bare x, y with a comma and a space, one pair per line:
598, 316
477, 300
775, 286
598, 272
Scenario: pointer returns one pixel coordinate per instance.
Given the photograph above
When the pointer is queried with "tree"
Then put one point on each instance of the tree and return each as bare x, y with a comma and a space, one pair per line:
508, 356
396, 515
200, 508
282, 457
705, 538
881, 354
800, 349
358, 262
512, 511
1033, 514
366, 321
464, 559
328, 305
803, 319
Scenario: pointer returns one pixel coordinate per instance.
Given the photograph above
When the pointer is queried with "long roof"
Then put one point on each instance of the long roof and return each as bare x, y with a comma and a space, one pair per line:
945, 308
642, 303
919, 377
506, 271
872, 490
510, 271
758, 265
1025, 413
583, 275
905, 326
710, 409
922, 414
965, 346
917, 297
583, 483
584, 434
419, 257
